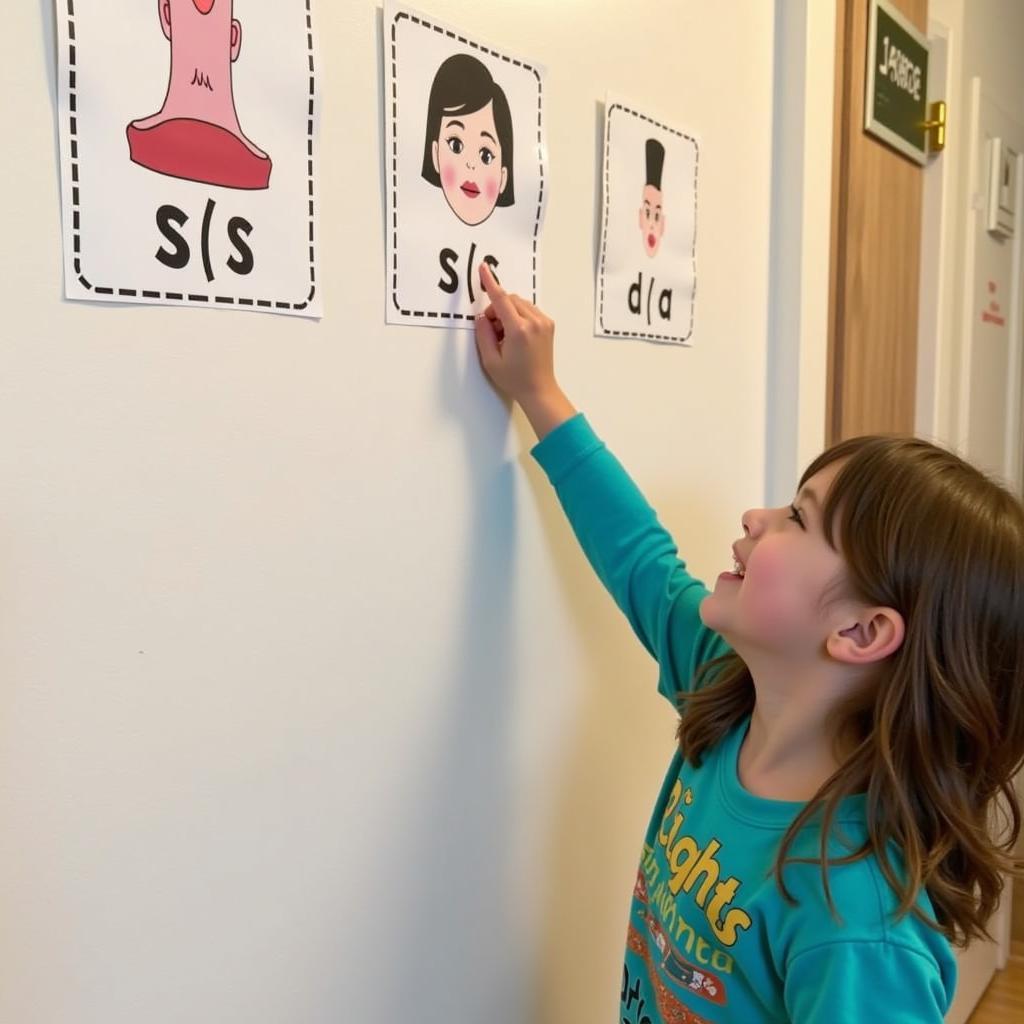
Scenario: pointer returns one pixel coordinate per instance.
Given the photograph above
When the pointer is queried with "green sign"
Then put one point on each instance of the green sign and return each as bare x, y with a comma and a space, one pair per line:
896, 98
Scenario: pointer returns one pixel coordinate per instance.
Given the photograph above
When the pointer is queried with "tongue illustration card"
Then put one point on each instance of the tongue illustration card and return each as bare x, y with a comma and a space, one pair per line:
188, 130
465, 169
647, 261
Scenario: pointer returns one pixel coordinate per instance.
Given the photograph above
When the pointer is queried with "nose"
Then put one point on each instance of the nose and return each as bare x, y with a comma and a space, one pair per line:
753, 521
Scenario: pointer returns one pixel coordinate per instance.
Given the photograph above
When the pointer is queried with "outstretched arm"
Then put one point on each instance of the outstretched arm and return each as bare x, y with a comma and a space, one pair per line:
633, 555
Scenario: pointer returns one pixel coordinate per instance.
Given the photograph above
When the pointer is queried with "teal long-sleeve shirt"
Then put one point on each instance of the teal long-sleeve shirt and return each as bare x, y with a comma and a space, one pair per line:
710, 939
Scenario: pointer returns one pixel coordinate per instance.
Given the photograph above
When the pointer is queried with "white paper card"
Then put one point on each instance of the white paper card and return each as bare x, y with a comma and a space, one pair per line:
464, 162
647, 262
188, 130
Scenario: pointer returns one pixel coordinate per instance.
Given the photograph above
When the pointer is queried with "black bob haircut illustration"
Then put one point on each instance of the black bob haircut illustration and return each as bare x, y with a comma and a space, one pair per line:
463, 85
655, 162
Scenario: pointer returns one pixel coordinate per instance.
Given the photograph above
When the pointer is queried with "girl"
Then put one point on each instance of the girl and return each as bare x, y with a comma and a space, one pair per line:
851, 705
467, 151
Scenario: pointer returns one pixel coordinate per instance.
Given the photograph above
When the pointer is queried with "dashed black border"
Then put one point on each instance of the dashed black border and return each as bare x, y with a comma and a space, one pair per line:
416, 20
604, 231
223, 300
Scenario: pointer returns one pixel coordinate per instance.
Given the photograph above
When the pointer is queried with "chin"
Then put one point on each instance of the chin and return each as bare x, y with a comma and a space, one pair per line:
707, 612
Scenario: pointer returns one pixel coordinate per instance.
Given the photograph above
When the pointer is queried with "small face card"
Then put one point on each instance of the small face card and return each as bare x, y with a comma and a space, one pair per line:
465, 166
647, 262
187, 132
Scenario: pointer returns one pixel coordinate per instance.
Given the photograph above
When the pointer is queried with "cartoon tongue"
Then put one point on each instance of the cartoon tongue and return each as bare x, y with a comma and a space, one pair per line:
204, 6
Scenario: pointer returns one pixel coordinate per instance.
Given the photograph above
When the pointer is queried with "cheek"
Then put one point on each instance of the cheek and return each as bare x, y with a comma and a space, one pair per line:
447, 176
771, 590
491, 188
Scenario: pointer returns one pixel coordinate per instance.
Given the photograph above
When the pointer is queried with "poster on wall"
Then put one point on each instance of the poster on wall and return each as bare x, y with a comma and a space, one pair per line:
465, 170
647, 260
188, 130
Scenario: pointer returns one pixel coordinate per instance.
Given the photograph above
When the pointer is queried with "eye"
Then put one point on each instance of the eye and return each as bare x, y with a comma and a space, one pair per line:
657, 217
796, 517
454, 144
486, 156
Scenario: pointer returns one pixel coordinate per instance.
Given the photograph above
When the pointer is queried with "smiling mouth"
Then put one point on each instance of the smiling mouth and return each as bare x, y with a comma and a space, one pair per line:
469, 189
651, 241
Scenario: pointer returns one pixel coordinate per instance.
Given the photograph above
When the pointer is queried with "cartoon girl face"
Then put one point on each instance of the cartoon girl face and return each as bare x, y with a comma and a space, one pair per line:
467, 151
468, 160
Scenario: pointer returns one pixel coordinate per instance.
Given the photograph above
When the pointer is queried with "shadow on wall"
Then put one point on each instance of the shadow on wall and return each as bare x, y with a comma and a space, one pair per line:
451, 961
581, 904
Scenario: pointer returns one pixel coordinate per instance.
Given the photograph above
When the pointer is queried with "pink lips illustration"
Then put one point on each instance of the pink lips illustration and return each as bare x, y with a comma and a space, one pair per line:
469, 188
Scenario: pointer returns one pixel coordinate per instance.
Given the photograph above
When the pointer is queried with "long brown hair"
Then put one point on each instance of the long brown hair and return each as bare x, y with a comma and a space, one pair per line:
937, 733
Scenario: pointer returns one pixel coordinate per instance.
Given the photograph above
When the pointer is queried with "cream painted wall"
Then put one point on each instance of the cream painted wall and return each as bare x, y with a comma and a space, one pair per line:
311, 710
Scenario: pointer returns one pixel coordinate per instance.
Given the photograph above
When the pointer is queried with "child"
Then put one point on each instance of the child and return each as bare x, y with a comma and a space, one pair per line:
852, 690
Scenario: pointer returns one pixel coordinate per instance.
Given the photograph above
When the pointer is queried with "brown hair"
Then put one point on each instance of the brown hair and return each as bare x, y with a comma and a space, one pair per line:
937, 733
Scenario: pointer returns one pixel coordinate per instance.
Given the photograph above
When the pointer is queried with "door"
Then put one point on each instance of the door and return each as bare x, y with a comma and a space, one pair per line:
876, 244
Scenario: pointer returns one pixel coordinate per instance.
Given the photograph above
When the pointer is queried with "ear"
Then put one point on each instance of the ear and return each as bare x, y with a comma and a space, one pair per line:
164, 9
876, 633
433, 156
236, 38
504, 180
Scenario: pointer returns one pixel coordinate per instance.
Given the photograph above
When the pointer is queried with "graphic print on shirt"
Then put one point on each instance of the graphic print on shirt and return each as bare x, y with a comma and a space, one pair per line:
671, 962
687, 862
670, 1009
680, 961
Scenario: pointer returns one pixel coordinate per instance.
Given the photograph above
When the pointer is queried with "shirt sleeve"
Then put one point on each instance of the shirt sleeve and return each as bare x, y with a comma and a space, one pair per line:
851, 982
632, 554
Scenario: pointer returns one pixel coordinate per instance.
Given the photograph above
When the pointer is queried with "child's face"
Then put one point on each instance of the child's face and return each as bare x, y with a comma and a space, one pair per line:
651, 219
468, 160
779, 606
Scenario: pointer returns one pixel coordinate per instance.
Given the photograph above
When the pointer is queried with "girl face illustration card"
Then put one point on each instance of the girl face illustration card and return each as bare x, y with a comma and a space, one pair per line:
647, 261
188, 130
465, 170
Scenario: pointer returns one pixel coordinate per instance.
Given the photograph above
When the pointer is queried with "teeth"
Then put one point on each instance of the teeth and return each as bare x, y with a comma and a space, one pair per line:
738, 569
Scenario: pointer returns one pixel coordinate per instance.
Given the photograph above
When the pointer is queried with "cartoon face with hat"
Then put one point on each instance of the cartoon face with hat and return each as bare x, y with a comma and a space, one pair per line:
652, 216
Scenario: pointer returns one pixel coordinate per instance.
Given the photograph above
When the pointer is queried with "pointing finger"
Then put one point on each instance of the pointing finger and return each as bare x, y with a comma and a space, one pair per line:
500, 299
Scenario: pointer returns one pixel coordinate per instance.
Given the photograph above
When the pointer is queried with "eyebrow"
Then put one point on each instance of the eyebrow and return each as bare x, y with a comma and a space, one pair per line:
452, 124
490, 136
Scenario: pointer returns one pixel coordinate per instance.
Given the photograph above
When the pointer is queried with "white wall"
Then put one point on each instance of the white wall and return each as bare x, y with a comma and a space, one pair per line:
311, 710
802, 138
986, 41
972, 383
